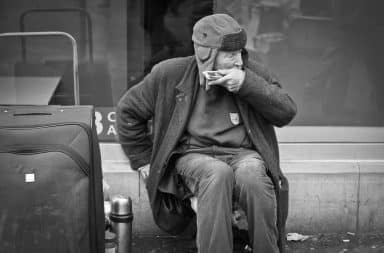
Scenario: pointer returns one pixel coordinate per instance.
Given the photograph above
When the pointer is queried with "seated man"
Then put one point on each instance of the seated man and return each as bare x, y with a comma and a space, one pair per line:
213, 138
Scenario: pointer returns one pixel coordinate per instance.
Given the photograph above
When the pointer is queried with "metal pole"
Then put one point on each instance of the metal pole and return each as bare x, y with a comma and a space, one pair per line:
82, 11
74, 49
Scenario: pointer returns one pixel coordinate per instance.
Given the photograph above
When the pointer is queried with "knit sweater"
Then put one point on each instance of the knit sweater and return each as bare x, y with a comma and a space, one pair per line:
215, 120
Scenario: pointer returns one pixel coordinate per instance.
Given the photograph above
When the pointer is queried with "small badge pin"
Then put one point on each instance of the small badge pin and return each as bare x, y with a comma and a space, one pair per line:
235, 118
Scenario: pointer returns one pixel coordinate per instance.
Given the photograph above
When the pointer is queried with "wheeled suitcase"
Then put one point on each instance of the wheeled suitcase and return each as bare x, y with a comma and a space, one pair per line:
51, 197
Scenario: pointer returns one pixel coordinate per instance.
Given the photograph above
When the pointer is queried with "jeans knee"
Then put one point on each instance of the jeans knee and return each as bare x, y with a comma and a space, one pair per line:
221, 175
251, 168
223, 172
250, 172
251, 177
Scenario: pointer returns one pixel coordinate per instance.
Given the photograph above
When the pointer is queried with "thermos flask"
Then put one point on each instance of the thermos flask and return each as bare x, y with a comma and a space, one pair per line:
121, 220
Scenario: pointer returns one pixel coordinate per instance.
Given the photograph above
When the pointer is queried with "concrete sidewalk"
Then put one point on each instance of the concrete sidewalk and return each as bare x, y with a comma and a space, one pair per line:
319, 243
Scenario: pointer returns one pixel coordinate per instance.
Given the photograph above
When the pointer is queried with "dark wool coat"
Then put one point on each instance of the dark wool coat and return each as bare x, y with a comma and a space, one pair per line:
167, 96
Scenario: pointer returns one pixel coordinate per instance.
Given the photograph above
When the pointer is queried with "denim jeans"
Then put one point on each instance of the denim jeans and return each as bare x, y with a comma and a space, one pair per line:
217, 176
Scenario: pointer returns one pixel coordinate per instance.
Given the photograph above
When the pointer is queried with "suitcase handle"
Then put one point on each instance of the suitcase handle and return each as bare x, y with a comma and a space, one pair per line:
63, 10
74, 52
32, 114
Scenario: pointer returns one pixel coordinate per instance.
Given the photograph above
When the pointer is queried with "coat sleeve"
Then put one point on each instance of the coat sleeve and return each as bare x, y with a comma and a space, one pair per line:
263, 92
133, 111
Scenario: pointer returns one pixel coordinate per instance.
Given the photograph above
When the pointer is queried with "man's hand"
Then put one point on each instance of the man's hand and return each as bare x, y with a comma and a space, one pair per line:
144, 171
232, 79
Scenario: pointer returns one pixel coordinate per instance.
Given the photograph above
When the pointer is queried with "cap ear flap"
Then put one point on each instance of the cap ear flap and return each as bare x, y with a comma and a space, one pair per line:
244, 56
203, 53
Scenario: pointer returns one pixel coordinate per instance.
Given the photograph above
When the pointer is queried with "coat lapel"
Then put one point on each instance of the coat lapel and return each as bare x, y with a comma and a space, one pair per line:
185, 90
184, 94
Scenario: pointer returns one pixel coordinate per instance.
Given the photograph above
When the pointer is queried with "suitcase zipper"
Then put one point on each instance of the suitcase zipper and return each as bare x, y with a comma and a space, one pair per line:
86, 128
38, 149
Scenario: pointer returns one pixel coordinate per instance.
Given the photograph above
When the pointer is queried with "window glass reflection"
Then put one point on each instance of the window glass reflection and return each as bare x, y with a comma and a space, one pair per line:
327, 53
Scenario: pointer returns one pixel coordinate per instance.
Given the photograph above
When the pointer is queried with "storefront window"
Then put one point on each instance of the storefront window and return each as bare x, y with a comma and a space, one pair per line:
101, 49
164, 31
328, 54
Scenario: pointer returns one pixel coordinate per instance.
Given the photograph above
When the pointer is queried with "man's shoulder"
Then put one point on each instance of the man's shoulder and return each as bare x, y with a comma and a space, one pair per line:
174, 65
255, 65
261, 70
